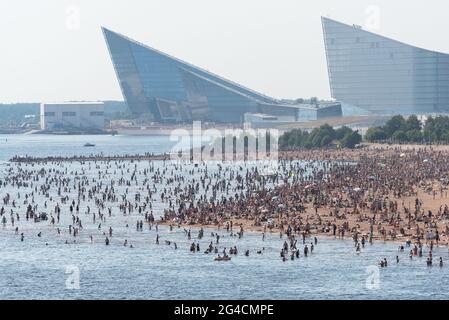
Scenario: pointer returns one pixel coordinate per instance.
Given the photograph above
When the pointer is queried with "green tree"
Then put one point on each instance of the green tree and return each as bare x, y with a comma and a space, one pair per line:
429, 128
414, 135
322, 137
326, 141
396, 123
341, 132
445, 136
399, 136
375, 134
412, 123
326, 129
351, 139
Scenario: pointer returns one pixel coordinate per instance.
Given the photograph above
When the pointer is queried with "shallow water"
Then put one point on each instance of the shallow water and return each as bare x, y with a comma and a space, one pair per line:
149, 271
69, 145
36, 268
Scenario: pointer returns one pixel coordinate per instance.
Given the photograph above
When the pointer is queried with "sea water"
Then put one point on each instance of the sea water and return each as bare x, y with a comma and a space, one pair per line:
48, 268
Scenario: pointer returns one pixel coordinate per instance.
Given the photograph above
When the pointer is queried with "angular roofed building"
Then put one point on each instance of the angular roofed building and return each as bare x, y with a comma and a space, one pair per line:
382, 75
166, 89
154, 83
209, 99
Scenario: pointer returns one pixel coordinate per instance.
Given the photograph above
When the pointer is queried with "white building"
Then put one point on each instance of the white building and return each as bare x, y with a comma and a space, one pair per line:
79, 115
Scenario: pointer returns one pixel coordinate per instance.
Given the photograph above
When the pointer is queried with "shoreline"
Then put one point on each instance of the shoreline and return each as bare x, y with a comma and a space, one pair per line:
431, 194
338, 204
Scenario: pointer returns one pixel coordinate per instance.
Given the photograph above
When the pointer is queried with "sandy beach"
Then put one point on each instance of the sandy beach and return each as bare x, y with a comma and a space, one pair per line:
413, 208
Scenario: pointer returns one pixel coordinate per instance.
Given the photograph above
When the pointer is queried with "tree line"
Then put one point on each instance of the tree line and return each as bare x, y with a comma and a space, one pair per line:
396, 130
323, 137
401, 130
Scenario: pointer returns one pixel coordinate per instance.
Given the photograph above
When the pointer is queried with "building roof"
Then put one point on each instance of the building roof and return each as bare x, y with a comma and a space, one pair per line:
326, 20
73, 103
209, 74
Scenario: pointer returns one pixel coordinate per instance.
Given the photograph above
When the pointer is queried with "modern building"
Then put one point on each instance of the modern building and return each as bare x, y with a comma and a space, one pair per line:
260, 120
384, 76
166, 89
293, 113
72, 115
308, 112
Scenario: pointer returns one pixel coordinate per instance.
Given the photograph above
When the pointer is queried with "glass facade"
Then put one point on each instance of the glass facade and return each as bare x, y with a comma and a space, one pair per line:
148, 76
127, 73
382, 75
210, 100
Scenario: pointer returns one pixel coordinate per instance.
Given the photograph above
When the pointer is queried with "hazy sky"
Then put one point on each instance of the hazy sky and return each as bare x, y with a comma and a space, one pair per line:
54, 50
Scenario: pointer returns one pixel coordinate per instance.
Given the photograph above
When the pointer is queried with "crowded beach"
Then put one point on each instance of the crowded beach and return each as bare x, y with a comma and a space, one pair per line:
368, 195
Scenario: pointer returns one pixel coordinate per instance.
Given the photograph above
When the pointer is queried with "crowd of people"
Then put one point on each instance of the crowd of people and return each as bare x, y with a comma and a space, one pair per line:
366, 195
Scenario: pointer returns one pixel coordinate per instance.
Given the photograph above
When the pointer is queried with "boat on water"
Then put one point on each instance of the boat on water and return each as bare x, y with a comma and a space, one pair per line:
89, 145
220, 258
